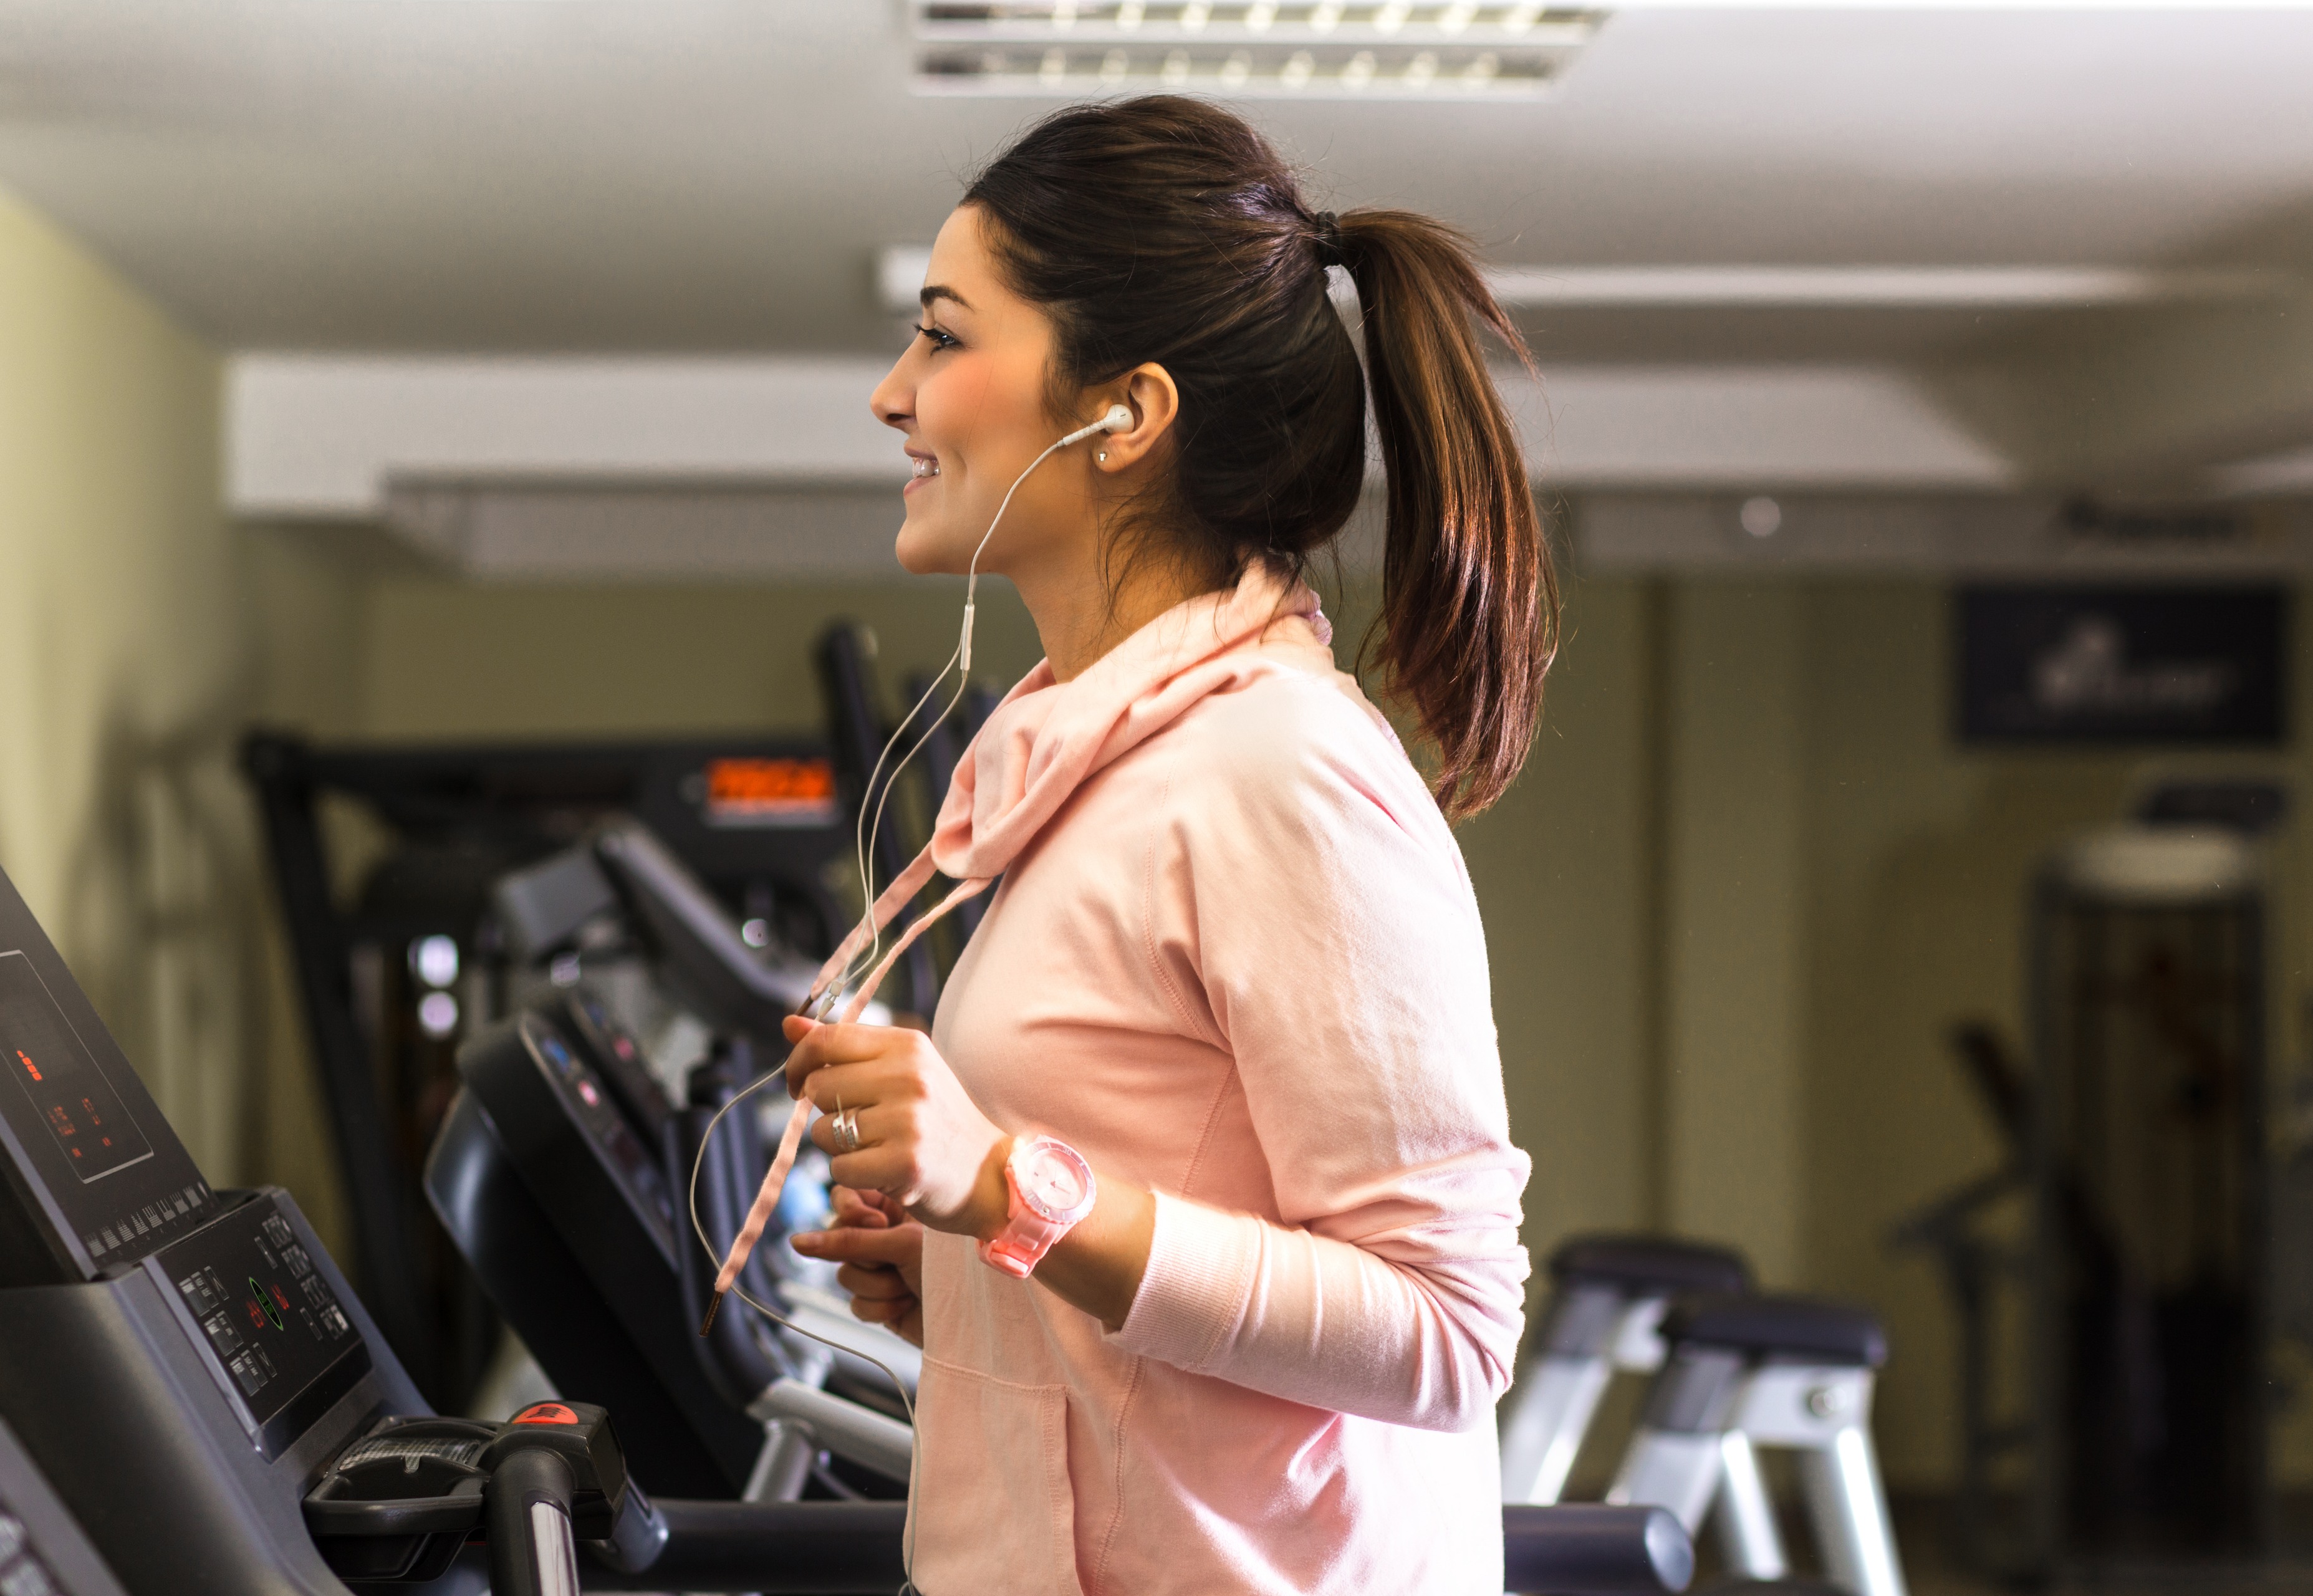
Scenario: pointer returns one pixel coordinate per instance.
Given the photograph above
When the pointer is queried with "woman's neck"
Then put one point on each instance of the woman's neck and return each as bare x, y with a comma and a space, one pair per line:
1079, 618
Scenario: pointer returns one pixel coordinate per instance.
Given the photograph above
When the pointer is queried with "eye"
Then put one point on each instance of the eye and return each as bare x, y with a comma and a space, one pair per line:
939, 340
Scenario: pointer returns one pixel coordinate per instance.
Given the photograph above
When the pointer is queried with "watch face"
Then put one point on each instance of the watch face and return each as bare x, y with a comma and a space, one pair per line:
1052, 1179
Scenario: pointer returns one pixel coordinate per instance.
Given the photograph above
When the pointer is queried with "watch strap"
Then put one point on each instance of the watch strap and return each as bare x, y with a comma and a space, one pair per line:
1027, 1235
1020, 1246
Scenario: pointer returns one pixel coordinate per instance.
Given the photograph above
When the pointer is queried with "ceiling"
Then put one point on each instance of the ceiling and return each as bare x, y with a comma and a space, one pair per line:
672, 178
695, 175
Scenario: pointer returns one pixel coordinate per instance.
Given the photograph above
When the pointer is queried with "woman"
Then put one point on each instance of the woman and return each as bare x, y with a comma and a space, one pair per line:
1235, 964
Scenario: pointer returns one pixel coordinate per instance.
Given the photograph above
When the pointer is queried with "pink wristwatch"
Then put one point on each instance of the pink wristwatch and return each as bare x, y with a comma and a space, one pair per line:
1052, 1189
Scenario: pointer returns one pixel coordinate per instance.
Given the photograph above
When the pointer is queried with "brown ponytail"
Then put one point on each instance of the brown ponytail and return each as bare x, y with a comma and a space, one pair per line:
1469, 618
1166, 229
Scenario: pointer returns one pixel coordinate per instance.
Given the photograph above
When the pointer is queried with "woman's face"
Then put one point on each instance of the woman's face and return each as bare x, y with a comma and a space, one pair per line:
969, 396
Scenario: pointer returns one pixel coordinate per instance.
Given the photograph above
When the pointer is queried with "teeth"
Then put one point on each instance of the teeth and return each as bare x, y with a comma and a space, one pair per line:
926, 467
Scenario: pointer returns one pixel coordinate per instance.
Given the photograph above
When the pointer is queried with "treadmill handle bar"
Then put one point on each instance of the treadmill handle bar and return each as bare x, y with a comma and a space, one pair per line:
852, 1548
1588, 1550
533, 1552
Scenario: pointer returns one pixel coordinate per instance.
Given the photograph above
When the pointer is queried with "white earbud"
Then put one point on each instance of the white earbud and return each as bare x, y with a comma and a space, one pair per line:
1119, 419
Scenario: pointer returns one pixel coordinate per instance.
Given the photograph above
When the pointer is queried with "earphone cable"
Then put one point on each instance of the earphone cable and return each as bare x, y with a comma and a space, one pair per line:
865, 830
907, 1403
962, 657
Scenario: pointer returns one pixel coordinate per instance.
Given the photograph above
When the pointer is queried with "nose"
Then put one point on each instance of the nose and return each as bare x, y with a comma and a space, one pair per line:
894, 402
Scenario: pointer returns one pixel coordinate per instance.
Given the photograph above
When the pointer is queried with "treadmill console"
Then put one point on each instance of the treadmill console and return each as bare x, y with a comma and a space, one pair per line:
275, 1340
97, 1177
614, 1052
586, 1099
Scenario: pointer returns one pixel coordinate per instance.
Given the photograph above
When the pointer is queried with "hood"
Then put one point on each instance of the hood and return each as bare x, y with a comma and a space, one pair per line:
1048, 737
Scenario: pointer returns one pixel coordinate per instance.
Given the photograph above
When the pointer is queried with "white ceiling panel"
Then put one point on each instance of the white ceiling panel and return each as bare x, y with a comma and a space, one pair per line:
685, 175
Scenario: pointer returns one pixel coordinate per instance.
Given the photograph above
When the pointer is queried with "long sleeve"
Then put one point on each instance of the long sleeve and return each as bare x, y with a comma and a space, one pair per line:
1310, 915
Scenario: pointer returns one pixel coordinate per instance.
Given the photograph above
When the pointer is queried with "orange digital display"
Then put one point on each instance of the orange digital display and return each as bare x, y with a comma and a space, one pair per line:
771, 793
86, 1115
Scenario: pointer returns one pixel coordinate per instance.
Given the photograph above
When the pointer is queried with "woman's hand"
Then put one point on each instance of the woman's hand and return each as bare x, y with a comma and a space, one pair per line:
923, 1142
882, 1251
927, 1149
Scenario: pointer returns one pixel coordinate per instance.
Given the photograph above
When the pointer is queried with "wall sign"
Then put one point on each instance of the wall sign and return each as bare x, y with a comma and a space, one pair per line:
2123, 664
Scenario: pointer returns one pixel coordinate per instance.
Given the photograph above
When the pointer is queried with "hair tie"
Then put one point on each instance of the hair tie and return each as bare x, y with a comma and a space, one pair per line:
1327, 234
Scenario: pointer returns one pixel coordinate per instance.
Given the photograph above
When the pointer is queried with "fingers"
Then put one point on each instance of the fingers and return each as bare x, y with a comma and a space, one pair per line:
896, 1313
830, 1086
889, 1171
817, 1046
862, 1210
879, 1283
889, 1248
871, 1123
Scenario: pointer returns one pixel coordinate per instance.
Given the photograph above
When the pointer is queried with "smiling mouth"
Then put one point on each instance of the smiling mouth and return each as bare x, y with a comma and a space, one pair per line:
926, 467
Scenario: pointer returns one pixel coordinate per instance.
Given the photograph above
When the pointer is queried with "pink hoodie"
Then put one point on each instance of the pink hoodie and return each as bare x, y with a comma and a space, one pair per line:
1236, 956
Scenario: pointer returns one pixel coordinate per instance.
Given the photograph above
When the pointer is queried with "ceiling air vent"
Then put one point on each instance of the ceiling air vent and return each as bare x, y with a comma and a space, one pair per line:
1401, 49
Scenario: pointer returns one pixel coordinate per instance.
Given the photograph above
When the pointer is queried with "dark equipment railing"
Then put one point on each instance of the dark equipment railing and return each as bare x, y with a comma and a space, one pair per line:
463, 817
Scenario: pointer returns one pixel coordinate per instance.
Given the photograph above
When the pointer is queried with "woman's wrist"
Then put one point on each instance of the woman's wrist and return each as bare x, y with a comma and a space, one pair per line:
1098, 1265
991, 1195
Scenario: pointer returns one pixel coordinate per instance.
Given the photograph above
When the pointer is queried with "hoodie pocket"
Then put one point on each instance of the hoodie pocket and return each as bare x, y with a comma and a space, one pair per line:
992, 1509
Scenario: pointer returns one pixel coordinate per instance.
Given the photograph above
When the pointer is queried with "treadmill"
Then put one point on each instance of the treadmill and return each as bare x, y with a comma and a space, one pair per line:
209, 1401
213, 1406
562, 1173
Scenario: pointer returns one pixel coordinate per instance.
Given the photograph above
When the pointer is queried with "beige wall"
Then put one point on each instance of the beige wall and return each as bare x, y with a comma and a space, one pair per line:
1563, 875
139, 633
124, 648
442, 658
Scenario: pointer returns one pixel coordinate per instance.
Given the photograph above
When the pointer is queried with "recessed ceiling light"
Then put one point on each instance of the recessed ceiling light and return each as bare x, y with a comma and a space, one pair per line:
1299, 48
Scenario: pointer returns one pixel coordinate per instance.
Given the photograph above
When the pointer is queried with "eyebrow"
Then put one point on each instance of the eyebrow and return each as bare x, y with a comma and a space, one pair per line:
932, 291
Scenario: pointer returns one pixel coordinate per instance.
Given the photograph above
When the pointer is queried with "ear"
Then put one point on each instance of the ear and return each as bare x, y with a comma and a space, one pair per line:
1148, 392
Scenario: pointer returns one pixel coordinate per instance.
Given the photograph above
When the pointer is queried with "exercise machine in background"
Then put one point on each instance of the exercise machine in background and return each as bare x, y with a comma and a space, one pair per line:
392, 973
563, 1173
1732, 1372
1607, 1298
394, 964
2128, 1227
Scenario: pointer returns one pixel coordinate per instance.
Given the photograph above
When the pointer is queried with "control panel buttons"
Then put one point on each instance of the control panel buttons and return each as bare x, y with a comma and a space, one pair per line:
267, 1334
253, 1370
221, 1334
203, 1292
